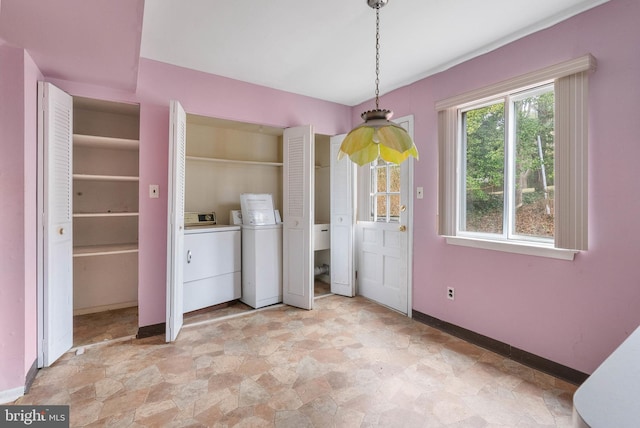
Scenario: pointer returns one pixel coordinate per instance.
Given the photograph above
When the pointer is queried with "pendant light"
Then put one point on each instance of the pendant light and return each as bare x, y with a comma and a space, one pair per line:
377, 136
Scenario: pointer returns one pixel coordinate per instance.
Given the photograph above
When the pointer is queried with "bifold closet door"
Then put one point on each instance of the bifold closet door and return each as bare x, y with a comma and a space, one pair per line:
298, 197
175, 234
55, 134
343, 197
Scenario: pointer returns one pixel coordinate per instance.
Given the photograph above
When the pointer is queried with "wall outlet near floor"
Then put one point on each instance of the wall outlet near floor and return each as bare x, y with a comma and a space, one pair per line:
451, 293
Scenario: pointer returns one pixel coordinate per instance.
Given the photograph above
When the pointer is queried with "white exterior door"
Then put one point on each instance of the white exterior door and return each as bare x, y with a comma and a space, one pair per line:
55, 134
298, 197
342, 221
385, 231
175, 233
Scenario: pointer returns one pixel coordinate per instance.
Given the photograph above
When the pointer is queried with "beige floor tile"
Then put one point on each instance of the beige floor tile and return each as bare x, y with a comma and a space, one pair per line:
347, 363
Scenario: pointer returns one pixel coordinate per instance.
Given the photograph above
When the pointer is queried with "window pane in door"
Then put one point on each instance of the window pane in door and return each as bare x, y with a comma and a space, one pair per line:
381, 172
381, 208
483, 187
533, 130
394, 178
385, 193
394, 209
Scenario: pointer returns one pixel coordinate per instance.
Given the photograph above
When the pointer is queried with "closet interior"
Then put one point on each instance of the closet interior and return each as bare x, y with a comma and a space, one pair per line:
322, 216
105, 219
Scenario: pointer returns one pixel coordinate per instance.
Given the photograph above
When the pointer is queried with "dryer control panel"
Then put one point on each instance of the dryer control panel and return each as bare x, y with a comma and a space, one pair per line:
199, 219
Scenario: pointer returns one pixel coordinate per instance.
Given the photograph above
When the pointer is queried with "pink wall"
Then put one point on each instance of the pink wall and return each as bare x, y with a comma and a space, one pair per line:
207, 95
12, 219
18, 216
574, 313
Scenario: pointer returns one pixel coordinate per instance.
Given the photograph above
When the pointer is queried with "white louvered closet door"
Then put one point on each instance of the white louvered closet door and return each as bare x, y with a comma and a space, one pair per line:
55, 120
298, 197
342, 221
175, 234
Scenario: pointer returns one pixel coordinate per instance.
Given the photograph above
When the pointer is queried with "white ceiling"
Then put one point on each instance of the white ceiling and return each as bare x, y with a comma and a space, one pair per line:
326, 49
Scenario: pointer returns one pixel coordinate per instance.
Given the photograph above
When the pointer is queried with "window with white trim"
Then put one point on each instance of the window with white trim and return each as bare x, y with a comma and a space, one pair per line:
513, 163
506, 167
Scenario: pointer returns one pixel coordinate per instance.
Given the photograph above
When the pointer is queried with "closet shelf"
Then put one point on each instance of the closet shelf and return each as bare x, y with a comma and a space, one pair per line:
87, 215
95, 177
101, 250
232, 161
105, 142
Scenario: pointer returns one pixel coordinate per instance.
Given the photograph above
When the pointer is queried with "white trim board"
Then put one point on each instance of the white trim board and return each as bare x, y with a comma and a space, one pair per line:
8, 396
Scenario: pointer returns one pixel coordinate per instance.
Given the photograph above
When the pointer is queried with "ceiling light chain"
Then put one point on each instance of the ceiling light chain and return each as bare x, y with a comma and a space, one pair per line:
377, 137
377, 56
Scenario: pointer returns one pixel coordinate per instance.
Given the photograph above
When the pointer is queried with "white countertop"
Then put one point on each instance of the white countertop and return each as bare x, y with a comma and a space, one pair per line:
610, 396
210, 228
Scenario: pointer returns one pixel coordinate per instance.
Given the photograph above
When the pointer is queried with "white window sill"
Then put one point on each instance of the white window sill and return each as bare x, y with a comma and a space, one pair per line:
530, 249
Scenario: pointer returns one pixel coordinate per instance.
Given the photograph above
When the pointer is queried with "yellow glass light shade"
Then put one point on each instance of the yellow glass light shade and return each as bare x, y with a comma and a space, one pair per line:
378, 137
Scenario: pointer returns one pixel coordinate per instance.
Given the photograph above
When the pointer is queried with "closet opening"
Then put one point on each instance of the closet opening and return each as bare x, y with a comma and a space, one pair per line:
105, 197
322, 217
225, 159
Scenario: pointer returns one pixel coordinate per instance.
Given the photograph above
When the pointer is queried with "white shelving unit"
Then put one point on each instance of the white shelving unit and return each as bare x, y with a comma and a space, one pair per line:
96, 141
105, 205
103, 250
232, 161
225, 159
94, 177
112, 195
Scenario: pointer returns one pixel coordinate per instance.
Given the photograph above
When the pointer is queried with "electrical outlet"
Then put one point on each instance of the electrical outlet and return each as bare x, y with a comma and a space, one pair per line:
419, 192
154, 191
451, 293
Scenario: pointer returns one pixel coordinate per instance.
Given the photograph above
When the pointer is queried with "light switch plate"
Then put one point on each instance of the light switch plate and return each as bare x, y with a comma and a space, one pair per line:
154, 191
419, 192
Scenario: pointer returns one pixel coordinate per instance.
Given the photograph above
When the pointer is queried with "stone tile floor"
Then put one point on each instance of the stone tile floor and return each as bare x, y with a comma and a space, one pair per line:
119, 323
103, 326
347, 363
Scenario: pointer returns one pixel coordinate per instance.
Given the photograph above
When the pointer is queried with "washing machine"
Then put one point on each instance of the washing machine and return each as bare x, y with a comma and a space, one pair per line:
261, 265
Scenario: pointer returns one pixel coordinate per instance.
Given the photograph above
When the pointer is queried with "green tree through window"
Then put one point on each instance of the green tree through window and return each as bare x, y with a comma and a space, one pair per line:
508, 150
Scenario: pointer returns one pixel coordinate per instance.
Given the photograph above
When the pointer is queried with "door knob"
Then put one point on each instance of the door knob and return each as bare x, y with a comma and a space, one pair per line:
403, 228
61, 231
403, 208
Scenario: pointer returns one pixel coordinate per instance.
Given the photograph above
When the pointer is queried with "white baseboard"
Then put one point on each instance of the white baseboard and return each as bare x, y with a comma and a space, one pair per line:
94, 309
10, 395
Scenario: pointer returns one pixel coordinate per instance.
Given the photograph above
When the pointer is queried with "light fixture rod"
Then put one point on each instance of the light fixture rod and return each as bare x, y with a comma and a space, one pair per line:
377, 57
377, 4
377, 137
